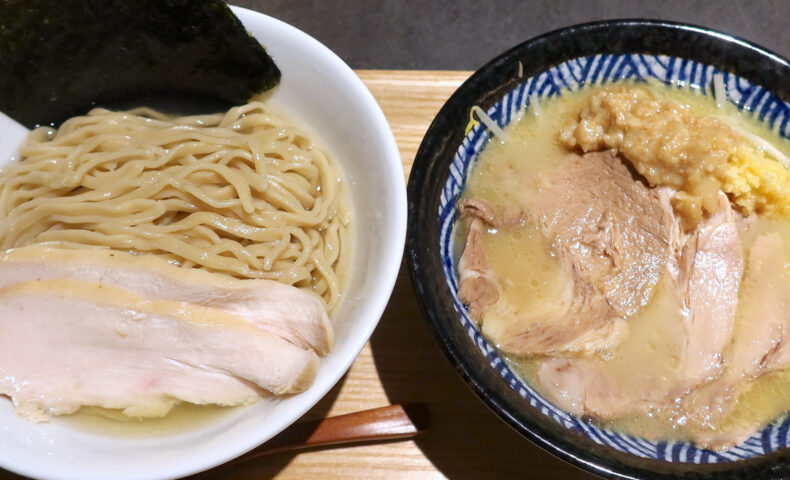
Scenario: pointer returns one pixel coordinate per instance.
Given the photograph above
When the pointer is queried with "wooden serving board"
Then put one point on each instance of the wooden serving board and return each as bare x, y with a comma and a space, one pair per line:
403, 364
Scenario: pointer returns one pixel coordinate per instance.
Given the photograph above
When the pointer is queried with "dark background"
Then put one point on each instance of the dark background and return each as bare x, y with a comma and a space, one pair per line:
465, 34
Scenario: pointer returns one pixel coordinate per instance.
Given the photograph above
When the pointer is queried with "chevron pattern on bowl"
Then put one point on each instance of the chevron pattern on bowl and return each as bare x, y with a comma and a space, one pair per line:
570, 76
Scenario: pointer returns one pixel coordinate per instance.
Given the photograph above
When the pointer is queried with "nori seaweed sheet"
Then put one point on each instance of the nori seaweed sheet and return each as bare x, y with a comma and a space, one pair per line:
60, 58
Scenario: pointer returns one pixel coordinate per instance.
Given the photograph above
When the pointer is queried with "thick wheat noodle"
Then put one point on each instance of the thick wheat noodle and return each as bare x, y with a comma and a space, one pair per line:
242, 193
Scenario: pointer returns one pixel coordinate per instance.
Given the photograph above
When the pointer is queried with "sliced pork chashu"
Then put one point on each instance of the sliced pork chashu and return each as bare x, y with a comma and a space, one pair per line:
666, 358
614, 237
618, 240
478, 287
614, 231
633, 377
68, 343
757, 347
710, 276
282, 310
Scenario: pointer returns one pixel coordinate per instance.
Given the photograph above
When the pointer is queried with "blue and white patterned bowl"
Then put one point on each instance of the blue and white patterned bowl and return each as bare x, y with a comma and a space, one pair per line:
559, 62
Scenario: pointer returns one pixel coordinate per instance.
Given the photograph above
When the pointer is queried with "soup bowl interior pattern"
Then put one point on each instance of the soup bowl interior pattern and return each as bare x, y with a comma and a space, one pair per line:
563, 61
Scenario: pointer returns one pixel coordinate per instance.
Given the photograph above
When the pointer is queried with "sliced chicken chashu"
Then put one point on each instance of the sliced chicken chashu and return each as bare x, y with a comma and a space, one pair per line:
282, 310
68, 343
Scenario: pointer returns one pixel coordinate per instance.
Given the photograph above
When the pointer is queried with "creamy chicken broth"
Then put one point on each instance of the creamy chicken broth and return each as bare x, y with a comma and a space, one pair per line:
182, 418
647, 387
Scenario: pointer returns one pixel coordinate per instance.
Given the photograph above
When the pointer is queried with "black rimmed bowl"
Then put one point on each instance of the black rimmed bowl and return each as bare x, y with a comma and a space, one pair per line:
685, 56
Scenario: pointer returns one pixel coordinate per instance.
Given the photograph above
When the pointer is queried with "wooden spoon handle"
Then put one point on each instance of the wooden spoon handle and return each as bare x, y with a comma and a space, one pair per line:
386, 423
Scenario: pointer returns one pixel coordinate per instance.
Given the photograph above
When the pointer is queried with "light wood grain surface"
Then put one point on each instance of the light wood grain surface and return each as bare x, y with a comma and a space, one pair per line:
403, 364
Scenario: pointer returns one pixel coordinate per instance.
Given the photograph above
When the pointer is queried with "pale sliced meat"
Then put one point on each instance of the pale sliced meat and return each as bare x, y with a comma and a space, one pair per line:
775, 338
511, 217
66, 344
585, 323
582, 386
478, 288
615, 231
282, 310
755, 347
517, 332
634, 377
696, 309
779, 358
614, 237
710, 274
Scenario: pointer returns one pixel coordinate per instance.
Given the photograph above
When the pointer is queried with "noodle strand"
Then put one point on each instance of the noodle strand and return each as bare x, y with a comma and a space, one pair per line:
242, 193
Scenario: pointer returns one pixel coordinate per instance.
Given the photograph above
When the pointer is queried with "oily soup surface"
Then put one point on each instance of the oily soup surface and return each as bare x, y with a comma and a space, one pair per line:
531, 279
182, 418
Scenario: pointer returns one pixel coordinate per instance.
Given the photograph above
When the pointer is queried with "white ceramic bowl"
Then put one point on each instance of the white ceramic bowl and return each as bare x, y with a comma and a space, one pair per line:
330, 99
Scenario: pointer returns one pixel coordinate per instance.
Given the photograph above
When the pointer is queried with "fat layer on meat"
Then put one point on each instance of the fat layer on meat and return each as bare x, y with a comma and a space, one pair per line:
284, 311
69, 343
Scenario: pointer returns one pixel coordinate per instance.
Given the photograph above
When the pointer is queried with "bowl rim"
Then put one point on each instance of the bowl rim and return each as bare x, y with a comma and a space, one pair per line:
369, 310
431, 165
